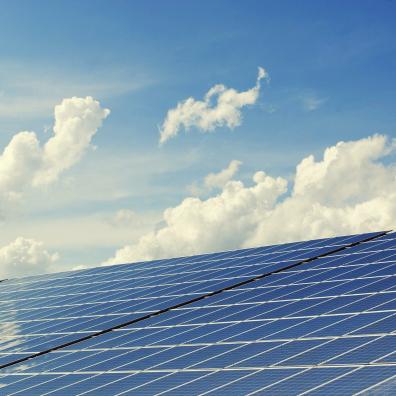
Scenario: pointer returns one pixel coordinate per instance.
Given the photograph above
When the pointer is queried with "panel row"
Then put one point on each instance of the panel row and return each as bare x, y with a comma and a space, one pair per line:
324, 327
41, 313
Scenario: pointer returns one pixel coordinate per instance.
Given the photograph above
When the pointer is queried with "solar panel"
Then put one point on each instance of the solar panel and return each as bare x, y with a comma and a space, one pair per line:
311, 317
40, 313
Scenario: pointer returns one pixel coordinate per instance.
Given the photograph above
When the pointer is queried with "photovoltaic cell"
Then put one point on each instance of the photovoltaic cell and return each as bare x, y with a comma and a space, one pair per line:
39, 313
327, 326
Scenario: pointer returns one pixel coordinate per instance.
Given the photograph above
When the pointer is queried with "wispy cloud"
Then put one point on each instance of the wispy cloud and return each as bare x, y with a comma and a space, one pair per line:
221, 106
311, 102
32, 91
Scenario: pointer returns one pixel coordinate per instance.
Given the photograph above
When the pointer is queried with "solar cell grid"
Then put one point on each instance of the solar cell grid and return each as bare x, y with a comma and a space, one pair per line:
304, 329
71, 305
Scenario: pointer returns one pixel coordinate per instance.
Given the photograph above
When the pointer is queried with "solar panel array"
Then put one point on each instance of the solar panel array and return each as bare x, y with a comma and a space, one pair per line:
316, 317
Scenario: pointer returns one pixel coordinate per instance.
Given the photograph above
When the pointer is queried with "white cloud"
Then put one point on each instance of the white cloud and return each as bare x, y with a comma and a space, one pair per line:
349, 172
76, 122
349, 191
219, 180
216, 180
206, 225
18, 163
24, 163
206, 115
25, 257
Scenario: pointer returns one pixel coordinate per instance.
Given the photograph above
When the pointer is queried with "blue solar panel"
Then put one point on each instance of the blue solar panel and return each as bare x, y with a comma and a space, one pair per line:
55, 309
316, 327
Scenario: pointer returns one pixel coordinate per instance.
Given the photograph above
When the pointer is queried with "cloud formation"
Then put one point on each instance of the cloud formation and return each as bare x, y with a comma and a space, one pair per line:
350, 190
76, 122
220, 179
206, 225
221, 106
25, 257
216, 180
25, 163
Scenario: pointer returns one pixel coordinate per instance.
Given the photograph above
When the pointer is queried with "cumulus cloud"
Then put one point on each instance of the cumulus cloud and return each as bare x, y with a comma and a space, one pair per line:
221, 106
216, 180
219, 180
25, 257
25, 163
206, 225
350, 190
76, 122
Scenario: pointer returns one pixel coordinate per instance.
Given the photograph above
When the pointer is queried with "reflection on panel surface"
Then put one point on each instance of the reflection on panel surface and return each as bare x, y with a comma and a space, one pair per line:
323, 327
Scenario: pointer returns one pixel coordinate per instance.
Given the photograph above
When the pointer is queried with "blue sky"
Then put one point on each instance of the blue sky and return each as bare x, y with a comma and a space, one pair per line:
332, 77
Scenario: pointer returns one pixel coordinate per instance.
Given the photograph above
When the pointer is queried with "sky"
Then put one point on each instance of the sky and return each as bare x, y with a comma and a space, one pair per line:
135, 130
